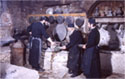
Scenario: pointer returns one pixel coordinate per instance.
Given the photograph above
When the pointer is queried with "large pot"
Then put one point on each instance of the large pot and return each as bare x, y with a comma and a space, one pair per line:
17, 53
60, 32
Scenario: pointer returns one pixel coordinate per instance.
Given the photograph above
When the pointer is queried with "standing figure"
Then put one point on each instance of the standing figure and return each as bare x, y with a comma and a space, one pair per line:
37, 30
75, 52
91, 58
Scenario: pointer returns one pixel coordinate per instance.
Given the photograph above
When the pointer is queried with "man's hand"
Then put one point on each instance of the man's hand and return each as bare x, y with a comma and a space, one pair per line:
63, 47
50, 40
53, 43
84, 47
30, 33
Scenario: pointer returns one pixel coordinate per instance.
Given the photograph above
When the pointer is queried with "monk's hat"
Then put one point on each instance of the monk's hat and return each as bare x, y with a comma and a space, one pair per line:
92, 21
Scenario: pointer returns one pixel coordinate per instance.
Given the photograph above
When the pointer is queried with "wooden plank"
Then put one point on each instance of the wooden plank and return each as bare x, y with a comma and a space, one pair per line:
71, 14
110, 20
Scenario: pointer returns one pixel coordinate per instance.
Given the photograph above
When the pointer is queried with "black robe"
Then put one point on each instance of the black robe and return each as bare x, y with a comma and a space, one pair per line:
38, 31
91, 59
75, 53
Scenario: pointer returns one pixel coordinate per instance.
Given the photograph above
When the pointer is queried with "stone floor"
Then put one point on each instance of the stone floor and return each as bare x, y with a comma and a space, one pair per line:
116, 76
50, 75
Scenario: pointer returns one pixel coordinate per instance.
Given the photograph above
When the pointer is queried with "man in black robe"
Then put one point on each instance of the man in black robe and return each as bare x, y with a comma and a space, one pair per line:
37, 30
75, 52
91, 59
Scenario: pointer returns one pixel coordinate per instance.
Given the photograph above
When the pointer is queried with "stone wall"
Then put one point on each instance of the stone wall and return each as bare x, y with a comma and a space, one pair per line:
19, 10
5, 55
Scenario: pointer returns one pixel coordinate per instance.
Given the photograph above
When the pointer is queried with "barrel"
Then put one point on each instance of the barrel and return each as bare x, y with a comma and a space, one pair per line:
17, 53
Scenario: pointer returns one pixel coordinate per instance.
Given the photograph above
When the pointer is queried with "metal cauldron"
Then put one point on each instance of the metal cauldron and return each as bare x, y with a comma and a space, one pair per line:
60, 32
17, 53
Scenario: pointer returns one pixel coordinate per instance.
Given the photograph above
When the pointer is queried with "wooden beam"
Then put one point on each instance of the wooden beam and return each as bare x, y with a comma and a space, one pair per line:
71, 14
110, 20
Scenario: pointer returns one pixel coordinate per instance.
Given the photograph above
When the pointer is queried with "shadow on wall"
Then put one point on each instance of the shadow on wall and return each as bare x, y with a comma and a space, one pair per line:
114, 41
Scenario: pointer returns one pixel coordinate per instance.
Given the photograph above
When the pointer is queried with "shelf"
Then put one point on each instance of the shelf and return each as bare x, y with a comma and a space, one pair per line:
70, 14
110, 20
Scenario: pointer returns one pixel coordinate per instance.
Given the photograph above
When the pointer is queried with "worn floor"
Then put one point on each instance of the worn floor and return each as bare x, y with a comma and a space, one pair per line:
49, 75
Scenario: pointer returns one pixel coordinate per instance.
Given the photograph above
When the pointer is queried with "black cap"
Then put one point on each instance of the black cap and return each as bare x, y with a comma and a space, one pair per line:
44, 18
70, 25
91, 20
79, 22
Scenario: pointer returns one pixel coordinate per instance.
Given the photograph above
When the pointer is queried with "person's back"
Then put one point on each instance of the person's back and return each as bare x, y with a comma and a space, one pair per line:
36, 29
93, 38
79, 37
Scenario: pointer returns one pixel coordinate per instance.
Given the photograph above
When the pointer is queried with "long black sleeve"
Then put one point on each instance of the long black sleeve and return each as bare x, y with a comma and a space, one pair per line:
38, 30
74, 38
93, 38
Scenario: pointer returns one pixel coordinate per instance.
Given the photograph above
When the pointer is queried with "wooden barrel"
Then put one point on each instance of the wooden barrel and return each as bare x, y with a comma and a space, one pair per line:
17, 53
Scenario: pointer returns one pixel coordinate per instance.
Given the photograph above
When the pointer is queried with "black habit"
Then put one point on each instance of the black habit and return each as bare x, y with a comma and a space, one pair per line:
75, 53
91, 59
38, 31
